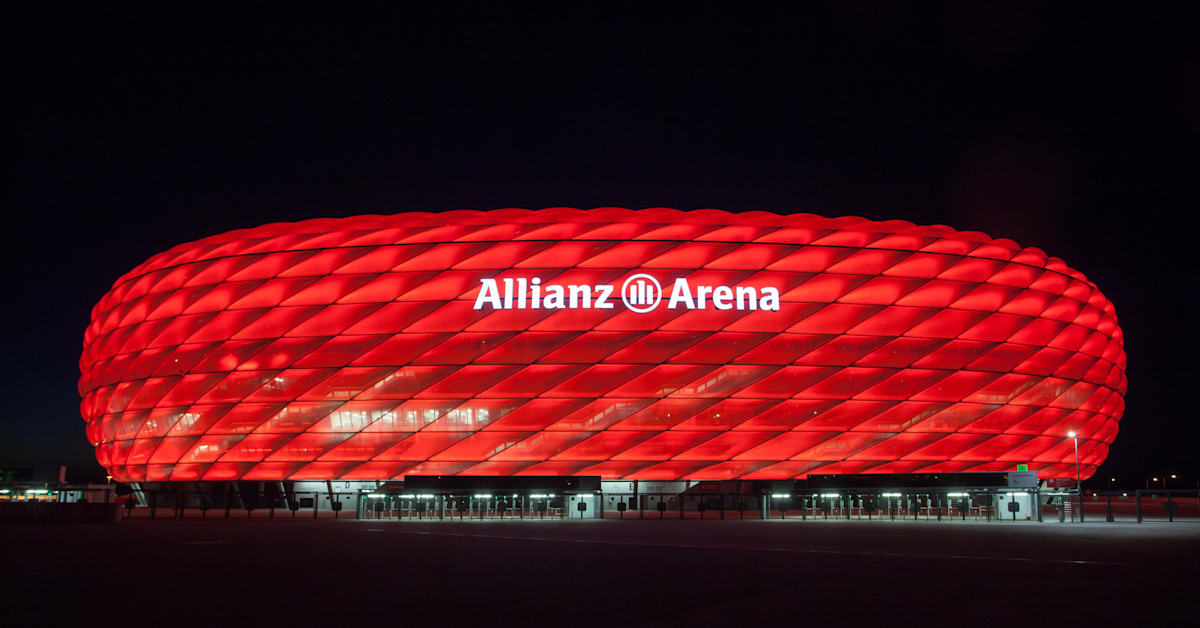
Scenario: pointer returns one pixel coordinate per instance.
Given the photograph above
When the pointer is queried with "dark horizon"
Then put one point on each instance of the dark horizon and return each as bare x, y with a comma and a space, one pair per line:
1063, 128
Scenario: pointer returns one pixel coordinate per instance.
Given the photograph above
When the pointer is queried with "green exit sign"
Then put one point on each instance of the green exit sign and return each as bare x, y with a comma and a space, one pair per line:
1022, 467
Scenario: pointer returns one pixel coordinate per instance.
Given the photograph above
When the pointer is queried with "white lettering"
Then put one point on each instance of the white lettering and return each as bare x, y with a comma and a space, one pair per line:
681, 292
581, 291
605, 291
640, 294
488, 293
721, 297
750, 295
554, 298
770, 299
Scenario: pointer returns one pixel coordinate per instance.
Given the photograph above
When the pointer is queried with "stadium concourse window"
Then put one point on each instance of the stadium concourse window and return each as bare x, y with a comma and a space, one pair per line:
634, 345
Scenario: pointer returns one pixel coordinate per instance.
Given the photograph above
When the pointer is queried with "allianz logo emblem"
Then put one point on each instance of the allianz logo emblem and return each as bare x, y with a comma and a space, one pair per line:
640, 293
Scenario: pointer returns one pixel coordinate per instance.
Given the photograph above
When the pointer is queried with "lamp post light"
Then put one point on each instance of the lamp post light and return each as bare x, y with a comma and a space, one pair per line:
1078, 488
1075, 437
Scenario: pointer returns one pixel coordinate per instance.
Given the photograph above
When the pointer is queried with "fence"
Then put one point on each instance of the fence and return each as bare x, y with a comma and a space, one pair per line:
58, 512
516, 506
983, 505
1141, 506
978, 505
231, 503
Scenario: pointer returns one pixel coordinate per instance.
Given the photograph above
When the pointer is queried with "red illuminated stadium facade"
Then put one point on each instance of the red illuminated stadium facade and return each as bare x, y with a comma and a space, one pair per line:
643, 345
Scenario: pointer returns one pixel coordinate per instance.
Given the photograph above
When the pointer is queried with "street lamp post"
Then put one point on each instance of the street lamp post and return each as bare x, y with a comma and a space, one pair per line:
1170, 506
1078, 488
1075, 437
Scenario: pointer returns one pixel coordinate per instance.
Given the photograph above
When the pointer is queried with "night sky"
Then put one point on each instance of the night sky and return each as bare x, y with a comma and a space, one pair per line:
1068, 128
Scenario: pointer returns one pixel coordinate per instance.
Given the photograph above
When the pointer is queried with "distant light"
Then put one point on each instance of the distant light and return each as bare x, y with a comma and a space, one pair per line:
374, 495
36, 491
891, 495
408, 496
956, 494
1172, 476
483, 495
831, 494
3, 491
1071, 434
780, 496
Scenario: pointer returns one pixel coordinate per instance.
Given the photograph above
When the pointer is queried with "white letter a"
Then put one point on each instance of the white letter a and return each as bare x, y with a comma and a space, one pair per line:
488, 293
681, 292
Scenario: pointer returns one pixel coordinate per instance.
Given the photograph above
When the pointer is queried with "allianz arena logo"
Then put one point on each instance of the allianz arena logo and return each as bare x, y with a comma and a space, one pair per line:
640, 293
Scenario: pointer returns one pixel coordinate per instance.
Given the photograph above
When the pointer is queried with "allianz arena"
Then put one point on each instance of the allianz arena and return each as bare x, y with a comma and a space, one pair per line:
647, 344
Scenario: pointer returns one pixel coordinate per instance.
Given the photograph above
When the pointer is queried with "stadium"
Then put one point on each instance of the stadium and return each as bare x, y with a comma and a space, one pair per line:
649, 345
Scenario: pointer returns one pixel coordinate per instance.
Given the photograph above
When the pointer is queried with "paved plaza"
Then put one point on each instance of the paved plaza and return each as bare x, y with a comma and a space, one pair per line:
654, 573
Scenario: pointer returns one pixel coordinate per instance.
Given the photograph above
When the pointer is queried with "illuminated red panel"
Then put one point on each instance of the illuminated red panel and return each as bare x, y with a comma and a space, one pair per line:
368, 348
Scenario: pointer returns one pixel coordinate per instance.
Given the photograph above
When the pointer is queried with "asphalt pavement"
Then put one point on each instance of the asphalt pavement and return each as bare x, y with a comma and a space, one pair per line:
613, 573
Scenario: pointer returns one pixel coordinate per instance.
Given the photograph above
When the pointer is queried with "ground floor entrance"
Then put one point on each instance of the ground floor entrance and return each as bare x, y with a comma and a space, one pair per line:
422, 506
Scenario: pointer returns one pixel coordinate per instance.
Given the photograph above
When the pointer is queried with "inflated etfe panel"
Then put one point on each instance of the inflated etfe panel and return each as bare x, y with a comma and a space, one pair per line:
651, 344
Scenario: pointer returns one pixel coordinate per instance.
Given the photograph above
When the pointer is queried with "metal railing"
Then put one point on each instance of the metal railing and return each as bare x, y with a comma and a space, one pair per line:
1153, 505
232, 503
982, 505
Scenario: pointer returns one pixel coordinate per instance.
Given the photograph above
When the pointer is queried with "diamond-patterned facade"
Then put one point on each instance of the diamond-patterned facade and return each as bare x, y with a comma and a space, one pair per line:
358, 348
